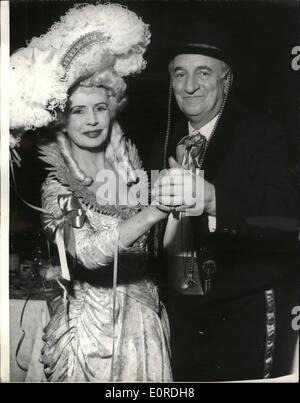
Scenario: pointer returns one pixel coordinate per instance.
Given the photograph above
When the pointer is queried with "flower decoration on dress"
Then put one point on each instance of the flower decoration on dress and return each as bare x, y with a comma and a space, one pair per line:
88, 39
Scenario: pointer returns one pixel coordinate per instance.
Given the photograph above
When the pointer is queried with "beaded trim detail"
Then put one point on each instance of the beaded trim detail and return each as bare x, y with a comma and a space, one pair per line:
83, 42
270, 332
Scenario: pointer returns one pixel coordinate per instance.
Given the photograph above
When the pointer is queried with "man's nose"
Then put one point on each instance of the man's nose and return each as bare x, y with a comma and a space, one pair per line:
191, 84
92, 118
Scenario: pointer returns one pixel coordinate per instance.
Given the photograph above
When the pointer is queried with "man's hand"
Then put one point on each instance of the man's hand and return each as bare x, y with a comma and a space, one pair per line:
186, 191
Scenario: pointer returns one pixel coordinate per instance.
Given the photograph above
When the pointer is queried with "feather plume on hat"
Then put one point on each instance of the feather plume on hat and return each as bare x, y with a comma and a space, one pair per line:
87, 39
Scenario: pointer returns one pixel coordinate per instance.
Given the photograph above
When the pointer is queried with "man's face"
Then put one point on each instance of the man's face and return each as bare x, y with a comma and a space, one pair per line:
198, 85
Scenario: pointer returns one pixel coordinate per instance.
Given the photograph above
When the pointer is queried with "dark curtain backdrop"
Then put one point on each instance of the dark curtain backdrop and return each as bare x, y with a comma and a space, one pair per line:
264, 34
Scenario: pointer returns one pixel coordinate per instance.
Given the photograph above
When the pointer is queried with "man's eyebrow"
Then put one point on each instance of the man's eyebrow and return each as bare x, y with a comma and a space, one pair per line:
200, 67
178, 68
204, 67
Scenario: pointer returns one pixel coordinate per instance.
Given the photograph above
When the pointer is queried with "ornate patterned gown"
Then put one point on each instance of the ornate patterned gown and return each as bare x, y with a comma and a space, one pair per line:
79, 343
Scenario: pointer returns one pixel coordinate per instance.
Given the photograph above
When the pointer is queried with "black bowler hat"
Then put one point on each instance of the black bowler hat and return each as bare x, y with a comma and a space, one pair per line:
203, 39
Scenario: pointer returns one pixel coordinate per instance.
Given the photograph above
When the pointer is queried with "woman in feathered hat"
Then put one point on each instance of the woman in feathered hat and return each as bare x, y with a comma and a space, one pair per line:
111, 326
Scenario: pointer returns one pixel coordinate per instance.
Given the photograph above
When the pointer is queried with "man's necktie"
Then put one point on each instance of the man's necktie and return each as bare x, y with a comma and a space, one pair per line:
190, 150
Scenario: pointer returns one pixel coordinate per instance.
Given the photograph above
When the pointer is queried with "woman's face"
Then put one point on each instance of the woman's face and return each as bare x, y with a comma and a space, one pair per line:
88, 117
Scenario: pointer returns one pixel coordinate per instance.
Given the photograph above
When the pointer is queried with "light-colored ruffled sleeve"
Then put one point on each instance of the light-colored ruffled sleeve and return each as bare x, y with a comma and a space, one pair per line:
94, 243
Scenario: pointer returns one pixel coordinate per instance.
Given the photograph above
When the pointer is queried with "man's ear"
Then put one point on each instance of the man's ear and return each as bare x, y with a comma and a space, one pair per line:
171, 67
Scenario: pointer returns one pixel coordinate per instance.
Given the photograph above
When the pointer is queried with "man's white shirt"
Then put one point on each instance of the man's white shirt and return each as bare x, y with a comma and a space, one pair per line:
206, 131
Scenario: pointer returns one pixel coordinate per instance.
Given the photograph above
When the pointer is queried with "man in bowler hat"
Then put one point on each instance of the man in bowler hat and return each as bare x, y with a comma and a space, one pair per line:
229, 253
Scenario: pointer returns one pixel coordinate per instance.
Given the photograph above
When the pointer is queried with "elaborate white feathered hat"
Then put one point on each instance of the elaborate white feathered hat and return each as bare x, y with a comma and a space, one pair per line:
87, 39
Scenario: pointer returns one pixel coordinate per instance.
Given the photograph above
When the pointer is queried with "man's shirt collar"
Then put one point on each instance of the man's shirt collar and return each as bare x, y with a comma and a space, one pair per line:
206, 130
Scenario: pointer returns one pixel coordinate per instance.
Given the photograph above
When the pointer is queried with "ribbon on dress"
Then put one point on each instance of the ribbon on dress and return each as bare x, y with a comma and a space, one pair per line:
60, 228
115, 282
15, 158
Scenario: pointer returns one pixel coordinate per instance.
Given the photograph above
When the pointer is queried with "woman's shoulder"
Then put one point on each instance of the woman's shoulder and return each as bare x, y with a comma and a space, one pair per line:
52, 185
50, 153
60, 178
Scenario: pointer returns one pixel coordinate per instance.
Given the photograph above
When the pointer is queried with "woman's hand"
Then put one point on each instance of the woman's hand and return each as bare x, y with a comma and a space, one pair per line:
155, 214
139, 224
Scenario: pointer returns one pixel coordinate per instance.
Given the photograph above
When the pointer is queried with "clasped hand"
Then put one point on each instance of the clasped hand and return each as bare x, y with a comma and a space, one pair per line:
180, 188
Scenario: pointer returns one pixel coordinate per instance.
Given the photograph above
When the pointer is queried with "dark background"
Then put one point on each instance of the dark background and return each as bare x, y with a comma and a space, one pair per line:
264, 34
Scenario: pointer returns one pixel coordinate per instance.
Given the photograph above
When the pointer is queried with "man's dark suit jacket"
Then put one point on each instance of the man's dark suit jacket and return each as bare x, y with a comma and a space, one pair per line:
255, 242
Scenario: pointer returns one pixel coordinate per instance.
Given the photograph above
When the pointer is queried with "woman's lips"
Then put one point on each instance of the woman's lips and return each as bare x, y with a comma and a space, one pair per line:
92, 134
